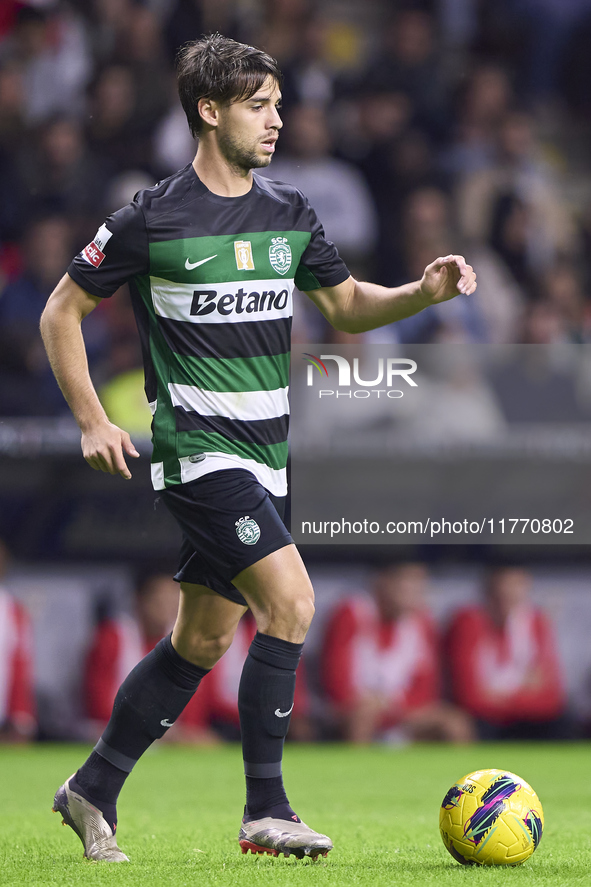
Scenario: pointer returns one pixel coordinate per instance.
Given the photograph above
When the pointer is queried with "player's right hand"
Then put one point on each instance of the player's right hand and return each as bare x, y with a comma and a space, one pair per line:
104, 446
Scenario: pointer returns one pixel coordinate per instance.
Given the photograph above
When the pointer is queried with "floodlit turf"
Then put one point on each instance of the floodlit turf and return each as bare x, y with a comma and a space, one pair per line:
179, 816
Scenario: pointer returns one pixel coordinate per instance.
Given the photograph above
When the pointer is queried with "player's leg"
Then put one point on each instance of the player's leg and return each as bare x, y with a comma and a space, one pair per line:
205, 625
280, 595
148, 702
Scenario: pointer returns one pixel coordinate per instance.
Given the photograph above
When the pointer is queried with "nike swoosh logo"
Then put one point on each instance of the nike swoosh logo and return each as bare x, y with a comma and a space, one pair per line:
283, 714
190, 265
167, 723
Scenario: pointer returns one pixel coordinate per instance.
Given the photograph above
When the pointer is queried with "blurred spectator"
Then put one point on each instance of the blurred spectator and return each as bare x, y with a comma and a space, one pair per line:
141, 49
28, 385
123, 188
576, 69
340, 195
218, 693
112, 131
109, 22
544, 324
410, 61
51, 50
549, 23
454, 401
12, 109
173, 144
380, 665
563, 287
17, 705
515, 205
492, 314
189, 19
122, 394
124, 399
540, 384
503, 663
119, 644
61, 175
483, 102
308, 78
282, 29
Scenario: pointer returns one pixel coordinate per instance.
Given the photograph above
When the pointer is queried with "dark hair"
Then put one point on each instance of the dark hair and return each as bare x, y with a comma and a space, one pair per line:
220, 69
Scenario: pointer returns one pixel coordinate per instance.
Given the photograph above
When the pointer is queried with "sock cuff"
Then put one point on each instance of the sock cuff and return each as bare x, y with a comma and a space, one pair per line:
275, 651
179, 670
114, 757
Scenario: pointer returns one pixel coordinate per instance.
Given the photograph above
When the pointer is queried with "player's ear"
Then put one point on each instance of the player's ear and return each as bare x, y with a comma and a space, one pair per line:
208, 111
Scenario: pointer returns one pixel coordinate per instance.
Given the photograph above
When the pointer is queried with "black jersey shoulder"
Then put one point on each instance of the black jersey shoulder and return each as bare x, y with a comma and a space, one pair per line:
282, 192
182, 207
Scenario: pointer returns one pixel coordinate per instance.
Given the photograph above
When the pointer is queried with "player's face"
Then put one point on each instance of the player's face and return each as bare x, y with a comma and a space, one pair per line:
247, 131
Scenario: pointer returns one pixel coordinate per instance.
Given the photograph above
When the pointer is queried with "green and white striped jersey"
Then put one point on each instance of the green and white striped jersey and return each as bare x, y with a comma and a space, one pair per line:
212, 280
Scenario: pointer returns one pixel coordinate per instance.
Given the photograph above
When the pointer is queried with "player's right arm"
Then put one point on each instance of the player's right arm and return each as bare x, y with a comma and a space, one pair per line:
103, 444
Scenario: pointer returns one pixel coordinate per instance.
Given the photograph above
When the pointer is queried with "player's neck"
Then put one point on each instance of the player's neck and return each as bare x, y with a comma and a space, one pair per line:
218, 175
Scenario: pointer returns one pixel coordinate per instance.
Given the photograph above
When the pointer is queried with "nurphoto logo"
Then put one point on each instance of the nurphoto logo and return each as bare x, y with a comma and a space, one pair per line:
390, 371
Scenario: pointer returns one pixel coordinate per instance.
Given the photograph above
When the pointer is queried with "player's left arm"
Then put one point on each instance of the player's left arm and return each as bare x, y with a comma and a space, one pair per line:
355, 307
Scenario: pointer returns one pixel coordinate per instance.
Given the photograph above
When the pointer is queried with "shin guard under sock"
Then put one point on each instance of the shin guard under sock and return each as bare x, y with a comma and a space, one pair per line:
265, 701
148, 702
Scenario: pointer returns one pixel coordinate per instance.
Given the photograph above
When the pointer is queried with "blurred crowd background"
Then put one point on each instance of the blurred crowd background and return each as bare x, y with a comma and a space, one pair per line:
417, 129
398, 652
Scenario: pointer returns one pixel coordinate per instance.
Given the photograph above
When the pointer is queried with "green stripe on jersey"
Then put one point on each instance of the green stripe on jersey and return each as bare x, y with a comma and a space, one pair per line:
231, 373
273, 455
228, 257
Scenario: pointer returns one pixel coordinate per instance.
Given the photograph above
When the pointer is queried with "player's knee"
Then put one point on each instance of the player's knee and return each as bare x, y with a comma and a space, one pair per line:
288, 618
304, 610
205, 650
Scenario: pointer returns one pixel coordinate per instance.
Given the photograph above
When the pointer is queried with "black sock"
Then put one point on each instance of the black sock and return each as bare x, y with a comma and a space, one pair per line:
265, 701
106, 782
148, 702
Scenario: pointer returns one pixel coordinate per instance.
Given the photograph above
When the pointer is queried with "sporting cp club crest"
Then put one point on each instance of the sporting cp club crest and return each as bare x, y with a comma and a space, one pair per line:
248, 531
280, 255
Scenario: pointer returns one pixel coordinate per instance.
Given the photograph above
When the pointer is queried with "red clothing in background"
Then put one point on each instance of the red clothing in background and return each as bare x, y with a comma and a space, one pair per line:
117, 646
17, 705
397, 659
219, 690
505, 674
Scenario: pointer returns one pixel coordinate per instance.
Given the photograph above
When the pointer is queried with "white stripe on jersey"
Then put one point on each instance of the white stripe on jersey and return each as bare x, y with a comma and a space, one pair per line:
272, 479
218, 303
244, 405
157, 472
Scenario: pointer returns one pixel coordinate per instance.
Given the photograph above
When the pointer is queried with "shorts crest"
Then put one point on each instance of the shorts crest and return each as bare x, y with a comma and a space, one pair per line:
248, 531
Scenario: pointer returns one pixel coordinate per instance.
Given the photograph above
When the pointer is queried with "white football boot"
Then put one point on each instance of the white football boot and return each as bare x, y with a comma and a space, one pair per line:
275, 836
89, 824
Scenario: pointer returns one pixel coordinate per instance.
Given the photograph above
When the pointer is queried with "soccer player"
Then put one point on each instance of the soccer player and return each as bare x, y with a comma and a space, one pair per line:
212, 255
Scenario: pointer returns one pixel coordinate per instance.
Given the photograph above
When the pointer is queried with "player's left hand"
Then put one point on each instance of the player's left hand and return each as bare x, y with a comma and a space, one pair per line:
446, 277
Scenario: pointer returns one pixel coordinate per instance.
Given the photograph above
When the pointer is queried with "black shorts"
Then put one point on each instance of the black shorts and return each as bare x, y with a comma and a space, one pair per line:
229, 522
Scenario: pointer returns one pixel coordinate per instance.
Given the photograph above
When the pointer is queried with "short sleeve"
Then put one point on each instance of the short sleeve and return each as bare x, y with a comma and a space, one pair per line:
118, 252
320, 264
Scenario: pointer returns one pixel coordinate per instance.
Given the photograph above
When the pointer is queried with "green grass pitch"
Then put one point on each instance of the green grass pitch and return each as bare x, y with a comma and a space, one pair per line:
179, 816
